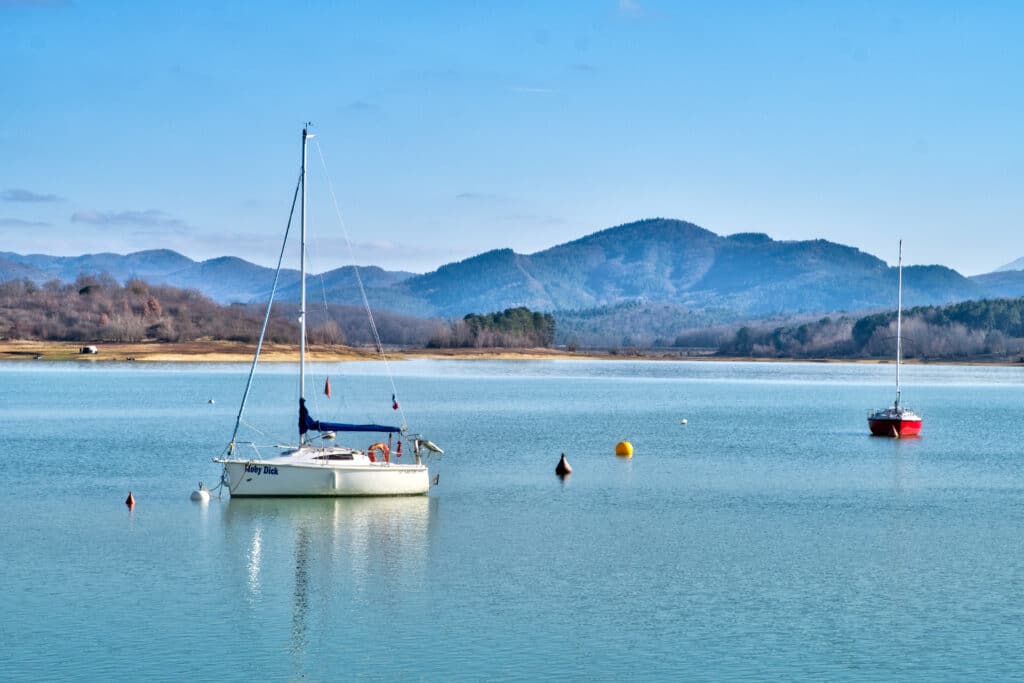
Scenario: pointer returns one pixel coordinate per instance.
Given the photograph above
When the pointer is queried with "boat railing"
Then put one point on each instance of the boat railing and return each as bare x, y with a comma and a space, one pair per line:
234, 447
890, 412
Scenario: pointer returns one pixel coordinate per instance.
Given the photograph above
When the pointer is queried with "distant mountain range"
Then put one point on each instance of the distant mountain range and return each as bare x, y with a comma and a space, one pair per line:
654, 261
1018, 264
225, 279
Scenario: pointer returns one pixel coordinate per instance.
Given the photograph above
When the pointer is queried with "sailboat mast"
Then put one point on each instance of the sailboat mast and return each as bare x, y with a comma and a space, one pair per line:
302, 279
899, 321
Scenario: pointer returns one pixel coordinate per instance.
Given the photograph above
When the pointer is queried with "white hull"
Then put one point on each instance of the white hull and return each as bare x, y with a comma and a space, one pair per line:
299, 476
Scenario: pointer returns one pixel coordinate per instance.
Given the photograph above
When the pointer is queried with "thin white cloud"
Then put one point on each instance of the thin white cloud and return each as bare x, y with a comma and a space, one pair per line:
479, 197
434, 75
531, 90
537, 219
631, 8
324, 253
36, 3
18, 223
19, 195
361, 106
387, 251
150, 218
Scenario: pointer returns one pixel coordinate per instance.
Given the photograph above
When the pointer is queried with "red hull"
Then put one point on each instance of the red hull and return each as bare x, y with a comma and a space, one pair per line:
894, 427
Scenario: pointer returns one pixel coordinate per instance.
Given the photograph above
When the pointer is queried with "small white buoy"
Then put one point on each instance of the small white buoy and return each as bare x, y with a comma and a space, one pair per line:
683, 421
200, 495
211, 401
328, 436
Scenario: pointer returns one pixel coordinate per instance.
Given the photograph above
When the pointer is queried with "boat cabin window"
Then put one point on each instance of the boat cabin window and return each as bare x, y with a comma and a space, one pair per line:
335, 456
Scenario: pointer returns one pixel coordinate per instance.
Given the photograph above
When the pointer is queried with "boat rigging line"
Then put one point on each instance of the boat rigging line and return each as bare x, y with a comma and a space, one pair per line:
266, 317
359, 282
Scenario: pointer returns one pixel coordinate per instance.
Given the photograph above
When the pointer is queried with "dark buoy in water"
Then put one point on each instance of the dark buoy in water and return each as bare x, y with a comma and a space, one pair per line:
562, 469
130, 500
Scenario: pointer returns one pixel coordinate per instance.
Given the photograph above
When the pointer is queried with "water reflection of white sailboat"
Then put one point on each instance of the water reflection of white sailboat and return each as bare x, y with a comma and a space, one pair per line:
315, 558
353, 537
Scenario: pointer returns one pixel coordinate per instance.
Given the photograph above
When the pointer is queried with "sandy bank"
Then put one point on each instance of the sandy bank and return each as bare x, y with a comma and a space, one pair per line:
238, 352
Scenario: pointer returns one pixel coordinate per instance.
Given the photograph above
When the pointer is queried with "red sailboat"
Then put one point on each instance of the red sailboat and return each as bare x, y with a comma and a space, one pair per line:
896, 420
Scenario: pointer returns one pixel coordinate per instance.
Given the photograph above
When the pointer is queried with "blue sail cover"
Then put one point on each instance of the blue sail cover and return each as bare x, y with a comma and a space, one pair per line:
307, 423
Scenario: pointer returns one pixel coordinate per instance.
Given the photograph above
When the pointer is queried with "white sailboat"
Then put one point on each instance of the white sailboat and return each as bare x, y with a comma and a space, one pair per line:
308, 469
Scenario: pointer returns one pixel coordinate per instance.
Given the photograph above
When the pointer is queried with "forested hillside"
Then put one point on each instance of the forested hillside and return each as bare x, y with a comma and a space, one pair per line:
512, 328
643, 325
664, 261
971, 329
100, 309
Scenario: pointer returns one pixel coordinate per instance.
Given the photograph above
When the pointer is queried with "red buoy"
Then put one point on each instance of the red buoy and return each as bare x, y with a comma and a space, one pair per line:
130, 500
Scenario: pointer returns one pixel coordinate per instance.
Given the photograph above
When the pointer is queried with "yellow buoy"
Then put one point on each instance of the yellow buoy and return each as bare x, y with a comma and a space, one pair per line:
624, 449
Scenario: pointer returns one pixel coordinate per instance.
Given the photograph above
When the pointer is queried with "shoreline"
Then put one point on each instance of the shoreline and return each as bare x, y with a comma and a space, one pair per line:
241, 352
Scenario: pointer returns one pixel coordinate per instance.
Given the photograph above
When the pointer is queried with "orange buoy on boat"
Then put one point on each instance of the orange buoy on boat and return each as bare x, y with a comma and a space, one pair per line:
379, 446
130, 500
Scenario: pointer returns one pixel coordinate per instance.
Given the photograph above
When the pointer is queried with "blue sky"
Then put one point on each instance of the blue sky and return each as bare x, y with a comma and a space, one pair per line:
453, 128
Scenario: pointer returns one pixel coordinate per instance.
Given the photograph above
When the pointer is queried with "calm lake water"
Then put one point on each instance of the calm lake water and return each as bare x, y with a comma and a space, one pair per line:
770, 538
